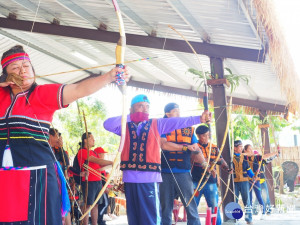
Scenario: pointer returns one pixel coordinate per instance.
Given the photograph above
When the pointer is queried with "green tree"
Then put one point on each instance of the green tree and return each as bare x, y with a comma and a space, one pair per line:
246, 127
71, 125
277, 123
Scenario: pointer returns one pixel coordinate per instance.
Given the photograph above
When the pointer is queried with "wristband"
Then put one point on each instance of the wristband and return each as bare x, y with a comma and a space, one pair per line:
184, 148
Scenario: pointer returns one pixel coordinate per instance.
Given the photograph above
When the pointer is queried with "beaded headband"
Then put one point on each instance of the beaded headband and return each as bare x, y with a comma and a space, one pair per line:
14, 57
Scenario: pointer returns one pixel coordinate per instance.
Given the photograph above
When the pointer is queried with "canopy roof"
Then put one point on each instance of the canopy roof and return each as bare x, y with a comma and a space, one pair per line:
62, 35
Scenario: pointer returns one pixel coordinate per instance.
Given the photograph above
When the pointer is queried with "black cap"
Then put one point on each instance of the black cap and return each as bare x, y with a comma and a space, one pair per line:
202, 129
237, 143
171, 106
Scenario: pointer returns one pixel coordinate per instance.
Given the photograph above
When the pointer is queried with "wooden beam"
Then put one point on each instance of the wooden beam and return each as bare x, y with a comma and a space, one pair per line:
192, 93
211, 50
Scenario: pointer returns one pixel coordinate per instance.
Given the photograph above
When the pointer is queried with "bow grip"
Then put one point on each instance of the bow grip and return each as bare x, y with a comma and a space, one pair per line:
205, 101
120, 81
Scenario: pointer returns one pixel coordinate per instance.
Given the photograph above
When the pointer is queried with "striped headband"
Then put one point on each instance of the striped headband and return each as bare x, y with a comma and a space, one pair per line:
14, 57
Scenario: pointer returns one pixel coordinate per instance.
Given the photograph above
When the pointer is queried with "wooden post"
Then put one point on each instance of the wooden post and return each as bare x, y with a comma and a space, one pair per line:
220, 103
268, 172
281, 191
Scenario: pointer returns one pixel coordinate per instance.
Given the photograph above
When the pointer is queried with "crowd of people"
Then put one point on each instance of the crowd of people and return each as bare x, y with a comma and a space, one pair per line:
163, 160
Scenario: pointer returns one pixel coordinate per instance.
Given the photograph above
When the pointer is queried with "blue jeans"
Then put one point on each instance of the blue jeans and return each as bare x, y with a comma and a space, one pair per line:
257, 190
210, 192
243, 188
265, 197
169, 190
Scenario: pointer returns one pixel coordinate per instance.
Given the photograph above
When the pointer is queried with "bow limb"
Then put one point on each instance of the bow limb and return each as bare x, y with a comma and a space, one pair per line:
120, 52
194, 51
216, 160
204, 172
88, 160
259, 165
230, 166
205, 103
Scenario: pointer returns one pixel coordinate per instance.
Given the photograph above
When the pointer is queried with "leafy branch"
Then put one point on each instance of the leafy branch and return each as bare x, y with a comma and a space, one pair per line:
233, 79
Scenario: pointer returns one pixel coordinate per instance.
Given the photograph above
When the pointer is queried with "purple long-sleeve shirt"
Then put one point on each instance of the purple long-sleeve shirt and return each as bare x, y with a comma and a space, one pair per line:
164, 126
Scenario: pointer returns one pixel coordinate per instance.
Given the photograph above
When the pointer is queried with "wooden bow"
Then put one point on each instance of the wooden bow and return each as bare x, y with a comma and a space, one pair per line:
230, 166
120, 52
205, 103
87, 162
216, 160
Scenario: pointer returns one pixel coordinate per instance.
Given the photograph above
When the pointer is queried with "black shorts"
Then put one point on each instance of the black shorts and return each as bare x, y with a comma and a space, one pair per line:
94, 187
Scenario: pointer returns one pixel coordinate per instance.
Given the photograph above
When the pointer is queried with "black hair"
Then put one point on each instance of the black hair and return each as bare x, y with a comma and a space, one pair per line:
202, 129
53, 132
246, 147
11, 51
83, 137
237, 143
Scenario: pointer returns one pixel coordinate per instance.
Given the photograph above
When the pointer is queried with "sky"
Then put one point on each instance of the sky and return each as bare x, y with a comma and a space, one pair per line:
112, 98
288, 16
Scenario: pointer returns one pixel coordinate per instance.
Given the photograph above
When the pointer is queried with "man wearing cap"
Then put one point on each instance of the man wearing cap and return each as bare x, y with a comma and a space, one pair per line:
177, 147
210, 189
242, 171
94, 181
140, 158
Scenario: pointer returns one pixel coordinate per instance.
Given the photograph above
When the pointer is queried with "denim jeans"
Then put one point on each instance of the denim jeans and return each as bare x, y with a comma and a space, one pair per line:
257, 189
210, 192
169, 190
265, 197
243, 188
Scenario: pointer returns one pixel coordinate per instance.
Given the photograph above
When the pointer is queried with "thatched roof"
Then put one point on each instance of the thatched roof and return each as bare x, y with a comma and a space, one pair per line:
279, 53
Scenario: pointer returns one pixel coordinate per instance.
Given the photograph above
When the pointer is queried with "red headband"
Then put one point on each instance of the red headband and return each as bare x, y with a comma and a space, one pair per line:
14, 57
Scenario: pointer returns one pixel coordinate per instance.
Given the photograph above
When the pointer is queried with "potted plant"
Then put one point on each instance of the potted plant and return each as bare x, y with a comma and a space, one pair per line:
230, 80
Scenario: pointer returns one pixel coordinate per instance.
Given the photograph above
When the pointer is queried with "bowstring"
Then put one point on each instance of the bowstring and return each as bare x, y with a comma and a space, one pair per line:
177, 184
27, 99
169, 168
50, 148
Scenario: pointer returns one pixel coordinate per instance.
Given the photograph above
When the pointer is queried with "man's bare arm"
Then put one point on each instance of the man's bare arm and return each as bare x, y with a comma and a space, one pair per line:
101, 162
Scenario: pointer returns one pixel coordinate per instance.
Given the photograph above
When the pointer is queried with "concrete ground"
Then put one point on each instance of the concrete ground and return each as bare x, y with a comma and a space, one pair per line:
290, 218
286, 214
